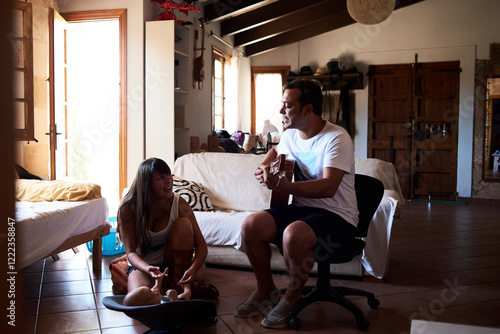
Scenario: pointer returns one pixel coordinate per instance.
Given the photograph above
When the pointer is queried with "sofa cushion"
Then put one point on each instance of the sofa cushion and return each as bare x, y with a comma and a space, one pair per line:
194, 193
228, 179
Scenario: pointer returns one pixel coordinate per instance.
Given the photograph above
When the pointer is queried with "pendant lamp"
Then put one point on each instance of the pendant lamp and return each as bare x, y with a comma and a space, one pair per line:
370, 11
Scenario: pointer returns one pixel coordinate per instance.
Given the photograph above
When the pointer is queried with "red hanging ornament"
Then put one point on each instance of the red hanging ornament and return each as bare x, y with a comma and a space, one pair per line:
168, 7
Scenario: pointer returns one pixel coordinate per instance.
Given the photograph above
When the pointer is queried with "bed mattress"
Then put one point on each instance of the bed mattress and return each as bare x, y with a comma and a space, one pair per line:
41, 227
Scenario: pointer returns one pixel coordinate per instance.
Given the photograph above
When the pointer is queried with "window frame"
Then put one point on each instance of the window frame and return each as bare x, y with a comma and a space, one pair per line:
219, 55
28, 131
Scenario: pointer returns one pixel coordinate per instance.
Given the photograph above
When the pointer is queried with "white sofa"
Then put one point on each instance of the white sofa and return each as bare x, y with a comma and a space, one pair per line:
228, 181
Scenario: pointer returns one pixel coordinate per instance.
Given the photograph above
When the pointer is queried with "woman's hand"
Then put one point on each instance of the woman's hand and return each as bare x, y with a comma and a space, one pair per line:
188, 277
155, 272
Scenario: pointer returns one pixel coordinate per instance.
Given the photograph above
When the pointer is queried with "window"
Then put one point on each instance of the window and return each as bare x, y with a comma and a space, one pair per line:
221, 66
267, 83
21, 38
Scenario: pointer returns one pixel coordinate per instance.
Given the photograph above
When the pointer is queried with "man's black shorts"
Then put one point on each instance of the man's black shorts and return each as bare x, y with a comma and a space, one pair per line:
328, 226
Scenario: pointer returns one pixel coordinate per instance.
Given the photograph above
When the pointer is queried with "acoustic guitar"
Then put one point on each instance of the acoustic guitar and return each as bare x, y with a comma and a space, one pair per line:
284, 167
198, 62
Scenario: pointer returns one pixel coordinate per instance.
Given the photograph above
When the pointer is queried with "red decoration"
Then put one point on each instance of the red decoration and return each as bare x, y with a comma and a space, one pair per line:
168, 7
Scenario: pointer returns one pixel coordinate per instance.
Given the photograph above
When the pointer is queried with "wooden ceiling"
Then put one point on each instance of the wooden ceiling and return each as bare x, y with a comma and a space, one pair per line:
259, 26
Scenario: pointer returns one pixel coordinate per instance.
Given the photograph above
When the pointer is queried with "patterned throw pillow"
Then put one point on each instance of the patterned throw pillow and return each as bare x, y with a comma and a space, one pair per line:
194, 194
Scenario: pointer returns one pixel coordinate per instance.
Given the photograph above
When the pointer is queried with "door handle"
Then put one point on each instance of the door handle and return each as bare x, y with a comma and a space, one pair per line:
52, 133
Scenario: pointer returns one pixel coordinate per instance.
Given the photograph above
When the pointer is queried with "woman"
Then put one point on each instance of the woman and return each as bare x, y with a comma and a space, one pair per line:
159, 231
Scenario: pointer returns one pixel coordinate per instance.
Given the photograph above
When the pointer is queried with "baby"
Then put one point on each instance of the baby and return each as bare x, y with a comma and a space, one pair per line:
146, 296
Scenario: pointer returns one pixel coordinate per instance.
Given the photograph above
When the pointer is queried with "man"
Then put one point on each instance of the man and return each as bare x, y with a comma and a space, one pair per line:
324, 206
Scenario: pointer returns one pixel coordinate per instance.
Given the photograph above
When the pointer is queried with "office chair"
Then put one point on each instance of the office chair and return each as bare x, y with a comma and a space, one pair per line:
369, 192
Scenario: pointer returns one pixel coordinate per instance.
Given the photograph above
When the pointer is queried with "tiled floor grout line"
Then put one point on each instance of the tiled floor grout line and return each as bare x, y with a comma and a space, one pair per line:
94, 293
39, 299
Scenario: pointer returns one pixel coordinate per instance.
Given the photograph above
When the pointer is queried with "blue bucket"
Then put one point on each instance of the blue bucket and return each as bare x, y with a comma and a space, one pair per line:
111, 244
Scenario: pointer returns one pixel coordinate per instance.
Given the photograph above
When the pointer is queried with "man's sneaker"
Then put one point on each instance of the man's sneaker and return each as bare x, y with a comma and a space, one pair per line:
278, 317
255, 304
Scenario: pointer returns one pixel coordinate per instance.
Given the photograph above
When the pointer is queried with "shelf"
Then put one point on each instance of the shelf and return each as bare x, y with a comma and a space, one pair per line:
430, 144
182, 54
180, 91
433, 170
335, 81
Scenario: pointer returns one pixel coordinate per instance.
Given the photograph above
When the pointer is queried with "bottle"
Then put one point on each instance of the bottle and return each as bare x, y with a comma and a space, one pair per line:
444, 129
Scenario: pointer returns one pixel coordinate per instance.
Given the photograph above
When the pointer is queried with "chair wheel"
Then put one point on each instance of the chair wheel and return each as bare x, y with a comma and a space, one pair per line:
374, 303
363, 324
294, 323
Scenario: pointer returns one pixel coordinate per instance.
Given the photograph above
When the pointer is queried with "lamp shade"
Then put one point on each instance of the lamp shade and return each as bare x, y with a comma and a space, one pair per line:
370, 11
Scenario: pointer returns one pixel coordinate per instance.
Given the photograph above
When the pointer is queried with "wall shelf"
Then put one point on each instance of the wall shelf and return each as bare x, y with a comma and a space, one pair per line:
335, 81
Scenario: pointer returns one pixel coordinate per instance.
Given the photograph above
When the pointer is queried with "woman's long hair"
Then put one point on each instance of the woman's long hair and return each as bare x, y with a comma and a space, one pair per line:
139, 199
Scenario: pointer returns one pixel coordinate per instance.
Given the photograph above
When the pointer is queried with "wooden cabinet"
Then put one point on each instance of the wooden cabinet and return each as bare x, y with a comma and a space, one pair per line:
413, 123
167, 83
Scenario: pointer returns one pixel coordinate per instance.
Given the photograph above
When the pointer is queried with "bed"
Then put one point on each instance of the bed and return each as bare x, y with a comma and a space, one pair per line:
54, 216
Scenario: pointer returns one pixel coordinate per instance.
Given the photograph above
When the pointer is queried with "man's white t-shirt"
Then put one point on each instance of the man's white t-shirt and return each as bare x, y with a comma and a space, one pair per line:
331, 147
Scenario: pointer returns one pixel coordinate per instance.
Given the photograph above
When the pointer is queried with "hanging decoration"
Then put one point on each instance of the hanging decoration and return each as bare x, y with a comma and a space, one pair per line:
168, 7
370, 11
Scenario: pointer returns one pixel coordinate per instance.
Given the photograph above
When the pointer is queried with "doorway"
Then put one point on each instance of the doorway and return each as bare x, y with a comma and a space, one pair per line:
413, 123
267, 90
89, 121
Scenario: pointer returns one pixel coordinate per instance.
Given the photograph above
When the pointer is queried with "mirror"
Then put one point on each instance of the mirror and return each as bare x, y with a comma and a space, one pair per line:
491, 163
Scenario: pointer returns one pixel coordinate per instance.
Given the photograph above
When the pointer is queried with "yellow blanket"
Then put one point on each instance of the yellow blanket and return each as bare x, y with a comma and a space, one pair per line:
57, 190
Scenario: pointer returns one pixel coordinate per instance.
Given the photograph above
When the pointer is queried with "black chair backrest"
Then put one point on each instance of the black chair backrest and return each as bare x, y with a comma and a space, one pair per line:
369, 193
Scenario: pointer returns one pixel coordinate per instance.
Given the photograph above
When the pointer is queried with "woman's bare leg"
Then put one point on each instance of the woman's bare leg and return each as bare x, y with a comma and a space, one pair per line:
137, 279
179, 253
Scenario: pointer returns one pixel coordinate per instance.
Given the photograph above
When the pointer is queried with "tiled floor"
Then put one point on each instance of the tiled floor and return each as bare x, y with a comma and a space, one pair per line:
444, 266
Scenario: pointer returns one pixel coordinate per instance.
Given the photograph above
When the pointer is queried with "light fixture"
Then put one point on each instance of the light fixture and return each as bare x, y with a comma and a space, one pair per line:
370, 11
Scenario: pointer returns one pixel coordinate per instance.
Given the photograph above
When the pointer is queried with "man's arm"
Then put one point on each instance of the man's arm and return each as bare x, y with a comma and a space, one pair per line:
320, 188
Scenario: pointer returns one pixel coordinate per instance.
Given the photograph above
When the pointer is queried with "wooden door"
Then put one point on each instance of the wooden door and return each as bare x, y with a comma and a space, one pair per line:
413, 123
389, 118
58, 109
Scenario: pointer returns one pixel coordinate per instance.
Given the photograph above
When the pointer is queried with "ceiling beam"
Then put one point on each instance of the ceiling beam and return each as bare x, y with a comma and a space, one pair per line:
224, 9
294, 21
264, 14
405, 3
329, 23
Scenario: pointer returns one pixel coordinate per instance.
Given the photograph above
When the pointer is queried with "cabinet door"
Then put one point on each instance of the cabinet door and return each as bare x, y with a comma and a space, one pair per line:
435, 137
159, 91
413, 118
390, 118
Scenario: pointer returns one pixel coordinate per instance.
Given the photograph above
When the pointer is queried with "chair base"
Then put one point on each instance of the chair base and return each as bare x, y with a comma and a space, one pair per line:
323, 291
335, 294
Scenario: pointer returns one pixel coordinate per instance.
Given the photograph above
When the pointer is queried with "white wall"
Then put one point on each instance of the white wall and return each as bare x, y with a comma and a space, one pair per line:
436, 30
